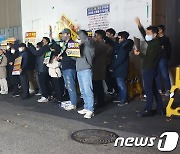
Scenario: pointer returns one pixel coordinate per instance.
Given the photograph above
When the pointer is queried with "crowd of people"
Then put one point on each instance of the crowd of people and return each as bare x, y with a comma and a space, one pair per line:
104, 57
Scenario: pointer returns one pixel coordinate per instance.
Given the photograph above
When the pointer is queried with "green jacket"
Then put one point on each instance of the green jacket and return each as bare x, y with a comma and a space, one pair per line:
153, 53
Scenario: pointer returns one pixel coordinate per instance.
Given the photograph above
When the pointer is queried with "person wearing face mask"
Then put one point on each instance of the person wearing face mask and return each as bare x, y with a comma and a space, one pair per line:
42, 69
23, 71
3, 81
12, 54
38, 46
68, 69
55, 73
150, 66
120, 65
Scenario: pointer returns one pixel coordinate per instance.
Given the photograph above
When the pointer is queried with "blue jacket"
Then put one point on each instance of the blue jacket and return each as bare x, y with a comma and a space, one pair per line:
120, 60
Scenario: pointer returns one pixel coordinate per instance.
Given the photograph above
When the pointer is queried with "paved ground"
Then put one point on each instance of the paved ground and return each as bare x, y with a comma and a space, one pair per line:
27, 127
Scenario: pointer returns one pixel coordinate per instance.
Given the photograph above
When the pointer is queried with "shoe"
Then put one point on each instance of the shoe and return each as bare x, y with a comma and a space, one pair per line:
31, 91
110, 92
4, 92
123, 103
88, 115
15, 95
145, 113
84, 111
38, 94
167, 93
70, 107
116, 101
43, 100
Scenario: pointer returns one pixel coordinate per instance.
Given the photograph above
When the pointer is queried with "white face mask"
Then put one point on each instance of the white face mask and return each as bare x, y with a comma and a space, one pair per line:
20, 49
8, 47
148, 38
79, 41
37, 48
13, 51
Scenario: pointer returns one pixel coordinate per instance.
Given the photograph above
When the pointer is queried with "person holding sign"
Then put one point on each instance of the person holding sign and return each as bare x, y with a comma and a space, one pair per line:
3, 81
68, 68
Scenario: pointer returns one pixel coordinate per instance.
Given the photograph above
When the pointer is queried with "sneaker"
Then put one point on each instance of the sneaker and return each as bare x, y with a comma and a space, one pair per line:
43, 100
4, 92
38, 94
70, 107
122, 103
88, 115
110, 92
31, 91
116, 101
15, 95
84, 111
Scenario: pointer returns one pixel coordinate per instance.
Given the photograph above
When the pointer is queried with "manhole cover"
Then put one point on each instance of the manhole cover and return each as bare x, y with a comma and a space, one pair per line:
94, 136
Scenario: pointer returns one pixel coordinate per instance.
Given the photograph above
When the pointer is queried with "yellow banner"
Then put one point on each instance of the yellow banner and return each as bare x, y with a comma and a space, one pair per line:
65, 22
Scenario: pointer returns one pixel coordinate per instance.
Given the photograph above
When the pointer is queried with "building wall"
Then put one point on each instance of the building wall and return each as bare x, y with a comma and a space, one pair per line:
10, 15
38, 15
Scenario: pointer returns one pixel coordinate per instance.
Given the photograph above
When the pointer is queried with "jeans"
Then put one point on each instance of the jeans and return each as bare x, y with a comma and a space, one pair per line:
122, 89
163, 72
38, 83
86, 88
69, 76
151, 90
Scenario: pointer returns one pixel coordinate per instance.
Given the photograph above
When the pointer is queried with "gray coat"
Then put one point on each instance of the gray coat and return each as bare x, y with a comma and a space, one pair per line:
87, 54
3, 64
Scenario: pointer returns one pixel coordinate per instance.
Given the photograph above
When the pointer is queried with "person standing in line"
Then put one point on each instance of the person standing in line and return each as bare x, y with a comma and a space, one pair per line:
163, 72
3, 73
120, 66
84, 73
150, 66
99, 68
23, 71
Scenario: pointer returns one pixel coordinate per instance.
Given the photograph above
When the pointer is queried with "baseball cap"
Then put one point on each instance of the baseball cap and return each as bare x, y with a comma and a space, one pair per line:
66, 30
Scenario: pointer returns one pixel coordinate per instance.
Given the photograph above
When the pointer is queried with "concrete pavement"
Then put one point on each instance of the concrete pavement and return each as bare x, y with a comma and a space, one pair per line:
27, 127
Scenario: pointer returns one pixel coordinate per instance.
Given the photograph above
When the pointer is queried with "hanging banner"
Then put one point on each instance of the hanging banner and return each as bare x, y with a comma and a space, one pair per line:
98, 17
30, 37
